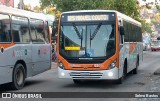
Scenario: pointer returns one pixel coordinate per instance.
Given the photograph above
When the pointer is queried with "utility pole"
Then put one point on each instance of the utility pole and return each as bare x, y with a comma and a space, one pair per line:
21, 4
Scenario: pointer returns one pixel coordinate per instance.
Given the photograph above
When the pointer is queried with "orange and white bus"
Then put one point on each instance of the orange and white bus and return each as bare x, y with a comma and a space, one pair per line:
25, 48
98, 44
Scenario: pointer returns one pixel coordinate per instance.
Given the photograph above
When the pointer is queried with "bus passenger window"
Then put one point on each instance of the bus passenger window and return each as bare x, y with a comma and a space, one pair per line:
25, 34
33, 35
38, 34
20, 29
16, 36
5, 35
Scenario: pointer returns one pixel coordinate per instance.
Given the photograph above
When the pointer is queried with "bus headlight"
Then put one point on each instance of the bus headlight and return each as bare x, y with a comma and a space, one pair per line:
62, 74
110, 74
112, 65
61, 65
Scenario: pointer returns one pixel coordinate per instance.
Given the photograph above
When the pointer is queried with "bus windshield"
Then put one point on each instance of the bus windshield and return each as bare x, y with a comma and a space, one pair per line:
87, 39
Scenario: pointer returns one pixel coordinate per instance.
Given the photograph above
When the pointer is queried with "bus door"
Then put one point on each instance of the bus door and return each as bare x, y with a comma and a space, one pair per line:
40, 48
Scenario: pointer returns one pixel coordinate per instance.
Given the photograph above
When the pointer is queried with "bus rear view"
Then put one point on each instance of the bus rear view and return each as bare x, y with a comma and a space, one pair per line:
87, 46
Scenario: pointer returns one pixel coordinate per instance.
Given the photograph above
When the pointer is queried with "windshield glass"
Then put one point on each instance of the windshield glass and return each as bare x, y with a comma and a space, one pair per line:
87, 40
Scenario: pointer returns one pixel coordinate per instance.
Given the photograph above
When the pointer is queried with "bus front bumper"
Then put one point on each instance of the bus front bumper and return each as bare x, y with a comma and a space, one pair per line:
111, 74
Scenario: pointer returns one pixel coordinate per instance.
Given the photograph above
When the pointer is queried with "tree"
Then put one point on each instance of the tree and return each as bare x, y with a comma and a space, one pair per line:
146, 27
128, 7
27, 7
158, 8
37, 9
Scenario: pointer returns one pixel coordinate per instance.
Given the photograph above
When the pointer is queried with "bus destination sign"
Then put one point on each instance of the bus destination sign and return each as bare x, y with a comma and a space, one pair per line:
87, 18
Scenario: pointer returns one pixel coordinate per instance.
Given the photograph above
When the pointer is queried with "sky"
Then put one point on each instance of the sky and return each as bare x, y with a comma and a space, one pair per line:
33, 3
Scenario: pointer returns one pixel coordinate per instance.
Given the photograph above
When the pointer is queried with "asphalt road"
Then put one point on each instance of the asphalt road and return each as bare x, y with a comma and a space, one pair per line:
49, 82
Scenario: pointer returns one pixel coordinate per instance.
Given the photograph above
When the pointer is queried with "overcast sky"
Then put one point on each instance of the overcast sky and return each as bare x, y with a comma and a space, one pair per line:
27, 2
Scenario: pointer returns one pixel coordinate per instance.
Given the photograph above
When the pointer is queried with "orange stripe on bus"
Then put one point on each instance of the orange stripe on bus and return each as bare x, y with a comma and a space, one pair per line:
6, 45
132, 47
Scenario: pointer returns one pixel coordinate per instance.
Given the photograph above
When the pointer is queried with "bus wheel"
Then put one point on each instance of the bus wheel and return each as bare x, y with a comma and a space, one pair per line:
134, 71
18, 77
76, 81
120, 80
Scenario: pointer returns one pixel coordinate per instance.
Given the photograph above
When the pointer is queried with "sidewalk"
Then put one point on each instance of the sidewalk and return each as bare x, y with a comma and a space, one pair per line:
54, 65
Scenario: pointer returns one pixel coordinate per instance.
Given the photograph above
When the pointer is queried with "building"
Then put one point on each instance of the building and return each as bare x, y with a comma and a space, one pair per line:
9, 3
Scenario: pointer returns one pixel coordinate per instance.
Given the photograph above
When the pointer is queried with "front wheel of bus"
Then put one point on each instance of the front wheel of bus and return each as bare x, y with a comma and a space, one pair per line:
18, 77
120, 80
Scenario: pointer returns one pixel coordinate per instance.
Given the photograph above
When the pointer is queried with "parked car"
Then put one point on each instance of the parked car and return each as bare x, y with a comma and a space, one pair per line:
155, 46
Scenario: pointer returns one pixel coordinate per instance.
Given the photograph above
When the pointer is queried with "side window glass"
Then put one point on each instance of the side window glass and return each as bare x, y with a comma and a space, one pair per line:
47, 32
37, 34
5, 35
20, 29
33, 34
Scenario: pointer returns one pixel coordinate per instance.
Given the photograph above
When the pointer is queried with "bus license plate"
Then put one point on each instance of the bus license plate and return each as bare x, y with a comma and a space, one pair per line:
85, 74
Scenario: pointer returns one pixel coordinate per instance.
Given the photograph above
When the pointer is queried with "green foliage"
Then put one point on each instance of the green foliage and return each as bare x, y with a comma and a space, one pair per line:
148, 7
146, 27
128, 7
158, 8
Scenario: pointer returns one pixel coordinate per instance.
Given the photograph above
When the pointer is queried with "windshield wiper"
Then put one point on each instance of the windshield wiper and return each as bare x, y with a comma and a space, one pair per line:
80, 36
95, 31
90, 38
77, 32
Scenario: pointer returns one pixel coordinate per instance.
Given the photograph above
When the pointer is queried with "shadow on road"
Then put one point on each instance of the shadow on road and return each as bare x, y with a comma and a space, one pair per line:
7, 87
103, 84
93, 83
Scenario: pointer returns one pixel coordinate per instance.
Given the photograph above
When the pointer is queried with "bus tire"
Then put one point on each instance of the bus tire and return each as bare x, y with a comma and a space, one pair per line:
120, 80
134, 71
76, 81
18, 79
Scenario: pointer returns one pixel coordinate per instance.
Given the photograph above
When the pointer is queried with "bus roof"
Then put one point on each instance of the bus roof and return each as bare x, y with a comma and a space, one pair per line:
120, 15
19, 12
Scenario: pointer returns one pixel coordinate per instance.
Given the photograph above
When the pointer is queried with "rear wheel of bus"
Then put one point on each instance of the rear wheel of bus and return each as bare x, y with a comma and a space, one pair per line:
136, 69
18, 77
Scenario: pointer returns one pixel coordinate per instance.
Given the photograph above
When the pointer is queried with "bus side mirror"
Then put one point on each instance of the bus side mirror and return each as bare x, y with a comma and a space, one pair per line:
121, 30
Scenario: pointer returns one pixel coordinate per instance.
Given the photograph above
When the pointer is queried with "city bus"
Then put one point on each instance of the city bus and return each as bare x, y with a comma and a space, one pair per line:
98, 45
25, 48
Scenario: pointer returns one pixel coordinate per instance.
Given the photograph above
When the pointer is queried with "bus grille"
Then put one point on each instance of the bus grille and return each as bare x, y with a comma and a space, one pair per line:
86, 75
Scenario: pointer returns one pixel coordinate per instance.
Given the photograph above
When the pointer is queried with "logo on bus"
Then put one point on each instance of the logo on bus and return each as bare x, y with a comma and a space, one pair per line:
85, 68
